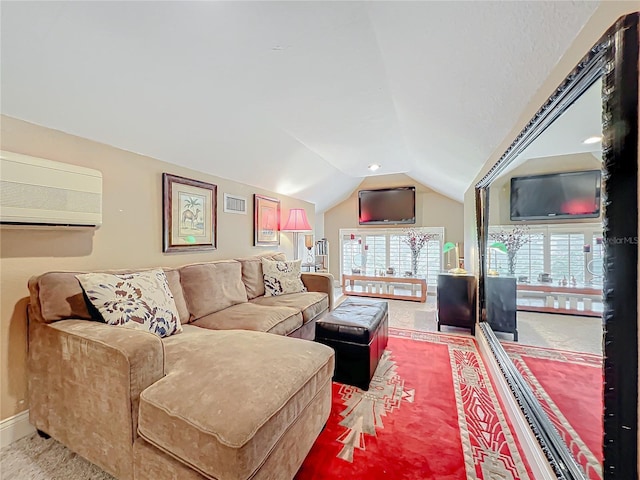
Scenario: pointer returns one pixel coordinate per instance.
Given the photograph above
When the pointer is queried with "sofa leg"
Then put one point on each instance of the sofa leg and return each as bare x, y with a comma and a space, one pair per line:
42, 434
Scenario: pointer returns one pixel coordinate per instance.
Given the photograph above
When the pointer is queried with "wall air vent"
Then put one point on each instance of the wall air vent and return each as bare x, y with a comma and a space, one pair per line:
35, 191
235, 204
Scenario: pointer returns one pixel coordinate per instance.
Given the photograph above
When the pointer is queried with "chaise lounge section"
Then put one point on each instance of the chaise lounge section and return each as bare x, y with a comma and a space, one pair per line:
229, 398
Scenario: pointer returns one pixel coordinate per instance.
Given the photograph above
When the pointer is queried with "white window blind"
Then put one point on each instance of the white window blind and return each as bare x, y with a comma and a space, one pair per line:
595, 266
399, 254
567, 256
530, 258
429, 260
351, 253
433, 259
375, 254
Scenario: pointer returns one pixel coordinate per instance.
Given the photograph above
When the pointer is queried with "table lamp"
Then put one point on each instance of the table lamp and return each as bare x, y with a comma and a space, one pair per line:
308, 242
296, 223
498, 247
446, 249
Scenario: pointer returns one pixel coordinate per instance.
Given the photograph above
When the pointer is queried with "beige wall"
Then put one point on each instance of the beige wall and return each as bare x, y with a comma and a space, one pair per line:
130, 236
432, 210
500, 193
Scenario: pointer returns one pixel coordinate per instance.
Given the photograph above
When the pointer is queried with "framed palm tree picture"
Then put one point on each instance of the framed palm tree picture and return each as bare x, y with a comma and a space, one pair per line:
189, 214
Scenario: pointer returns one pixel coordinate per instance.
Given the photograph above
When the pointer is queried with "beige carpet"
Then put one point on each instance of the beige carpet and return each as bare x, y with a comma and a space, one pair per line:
34, 458
563, 332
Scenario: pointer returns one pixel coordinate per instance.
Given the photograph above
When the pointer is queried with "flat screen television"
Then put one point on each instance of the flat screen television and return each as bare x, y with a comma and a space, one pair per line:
387, 206
556, 196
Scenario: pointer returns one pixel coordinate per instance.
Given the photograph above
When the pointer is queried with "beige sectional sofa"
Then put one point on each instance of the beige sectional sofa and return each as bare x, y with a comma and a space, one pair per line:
225, 399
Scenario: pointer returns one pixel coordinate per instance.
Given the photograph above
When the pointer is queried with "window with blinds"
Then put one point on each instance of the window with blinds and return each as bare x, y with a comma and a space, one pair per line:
351, 254
400, 255
375, 254
530, 258
374, 250
429, 260
595, 265
567, 256
555, 249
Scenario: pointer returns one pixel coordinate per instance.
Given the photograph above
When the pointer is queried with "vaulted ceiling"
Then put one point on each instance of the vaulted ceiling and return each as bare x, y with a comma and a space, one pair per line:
294, 97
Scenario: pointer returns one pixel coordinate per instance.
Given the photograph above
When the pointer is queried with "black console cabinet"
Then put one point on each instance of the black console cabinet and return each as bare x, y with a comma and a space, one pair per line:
457, 301
501, 295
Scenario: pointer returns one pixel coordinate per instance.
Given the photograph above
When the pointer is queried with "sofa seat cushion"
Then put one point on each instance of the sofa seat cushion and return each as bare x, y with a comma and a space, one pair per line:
311, 304
250, 316
230, 396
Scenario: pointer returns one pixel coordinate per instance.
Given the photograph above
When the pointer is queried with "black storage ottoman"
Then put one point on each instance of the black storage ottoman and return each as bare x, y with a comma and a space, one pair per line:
358, 331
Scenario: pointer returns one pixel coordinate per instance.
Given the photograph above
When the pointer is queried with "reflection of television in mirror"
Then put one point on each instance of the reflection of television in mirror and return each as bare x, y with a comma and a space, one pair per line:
387, 206
556, 196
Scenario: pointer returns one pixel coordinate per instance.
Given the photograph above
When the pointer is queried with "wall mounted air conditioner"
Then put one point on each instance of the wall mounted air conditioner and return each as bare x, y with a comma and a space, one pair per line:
35, 191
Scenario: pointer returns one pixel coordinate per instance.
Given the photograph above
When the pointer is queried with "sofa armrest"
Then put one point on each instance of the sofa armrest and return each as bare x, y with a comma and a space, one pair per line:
85, 380
319, 282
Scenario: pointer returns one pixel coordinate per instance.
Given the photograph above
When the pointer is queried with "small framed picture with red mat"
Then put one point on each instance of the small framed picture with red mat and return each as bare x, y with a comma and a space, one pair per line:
266, 221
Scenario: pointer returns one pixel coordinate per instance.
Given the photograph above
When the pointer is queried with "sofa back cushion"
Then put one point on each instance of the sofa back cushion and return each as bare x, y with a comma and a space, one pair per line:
252, 275
173, 279
59, 296
211, 287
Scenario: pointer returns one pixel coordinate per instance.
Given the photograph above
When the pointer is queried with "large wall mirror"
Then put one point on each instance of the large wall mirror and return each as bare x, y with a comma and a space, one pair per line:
558, 230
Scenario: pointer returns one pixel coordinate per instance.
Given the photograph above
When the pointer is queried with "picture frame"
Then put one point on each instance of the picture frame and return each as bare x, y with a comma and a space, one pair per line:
266, 220
189, 220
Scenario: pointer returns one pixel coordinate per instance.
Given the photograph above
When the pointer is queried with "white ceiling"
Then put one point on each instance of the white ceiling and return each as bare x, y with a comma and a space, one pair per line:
294, 97
566, 135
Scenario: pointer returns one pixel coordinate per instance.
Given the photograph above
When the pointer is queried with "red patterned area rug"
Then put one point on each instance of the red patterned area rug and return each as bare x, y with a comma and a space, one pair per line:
431, 412
568, 385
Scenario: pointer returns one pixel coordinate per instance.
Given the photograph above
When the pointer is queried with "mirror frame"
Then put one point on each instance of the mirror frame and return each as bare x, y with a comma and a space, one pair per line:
615, 59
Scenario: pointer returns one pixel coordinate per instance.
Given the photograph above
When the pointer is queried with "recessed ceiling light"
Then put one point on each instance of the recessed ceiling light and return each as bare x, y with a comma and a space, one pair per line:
373, 167
590, 140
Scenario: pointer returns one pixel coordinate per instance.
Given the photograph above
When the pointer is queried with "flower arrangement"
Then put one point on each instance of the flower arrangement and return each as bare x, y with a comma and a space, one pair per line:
416, 239
513, 240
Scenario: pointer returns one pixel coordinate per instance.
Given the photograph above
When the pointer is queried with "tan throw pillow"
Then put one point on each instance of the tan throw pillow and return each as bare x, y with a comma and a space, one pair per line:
140, 300
281, 277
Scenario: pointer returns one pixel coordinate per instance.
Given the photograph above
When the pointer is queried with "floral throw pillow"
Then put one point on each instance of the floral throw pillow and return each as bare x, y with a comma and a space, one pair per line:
281, 277
140, 300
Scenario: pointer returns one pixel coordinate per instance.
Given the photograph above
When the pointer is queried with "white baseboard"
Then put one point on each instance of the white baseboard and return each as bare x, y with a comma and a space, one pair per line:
14, 428
531, 448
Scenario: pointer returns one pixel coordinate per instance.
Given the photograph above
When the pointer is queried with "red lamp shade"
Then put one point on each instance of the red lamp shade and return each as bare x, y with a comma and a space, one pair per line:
297, 221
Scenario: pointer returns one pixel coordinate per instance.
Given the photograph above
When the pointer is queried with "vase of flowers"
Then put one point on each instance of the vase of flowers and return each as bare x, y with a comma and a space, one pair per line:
416, 239
513, 240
